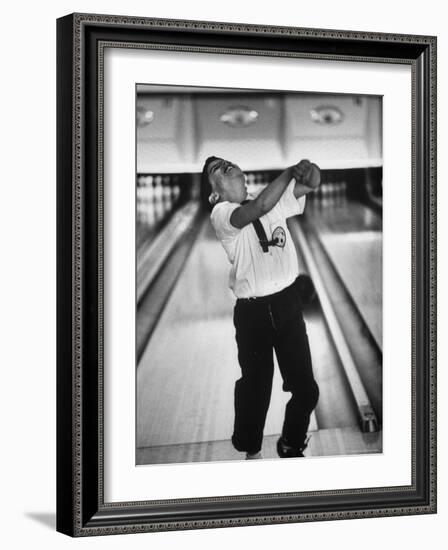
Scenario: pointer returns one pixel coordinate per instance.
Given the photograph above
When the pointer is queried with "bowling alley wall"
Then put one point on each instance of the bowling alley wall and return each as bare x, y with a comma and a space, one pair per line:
263, 132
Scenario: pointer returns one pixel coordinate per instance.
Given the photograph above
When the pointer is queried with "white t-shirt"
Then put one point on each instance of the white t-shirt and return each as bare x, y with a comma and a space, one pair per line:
254, 272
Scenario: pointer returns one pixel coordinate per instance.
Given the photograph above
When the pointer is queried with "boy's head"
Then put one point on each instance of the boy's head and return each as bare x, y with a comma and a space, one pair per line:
225, 179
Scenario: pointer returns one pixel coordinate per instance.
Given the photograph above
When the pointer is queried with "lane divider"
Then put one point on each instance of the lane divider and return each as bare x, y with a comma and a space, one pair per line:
366, 413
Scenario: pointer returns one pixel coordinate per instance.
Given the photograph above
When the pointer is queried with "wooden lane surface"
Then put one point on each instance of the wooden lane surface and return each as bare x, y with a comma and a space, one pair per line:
351, 233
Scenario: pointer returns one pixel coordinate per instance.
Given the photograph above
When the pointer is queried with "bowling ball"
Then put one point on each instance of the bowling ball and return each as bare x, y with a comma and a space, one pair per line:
305, 289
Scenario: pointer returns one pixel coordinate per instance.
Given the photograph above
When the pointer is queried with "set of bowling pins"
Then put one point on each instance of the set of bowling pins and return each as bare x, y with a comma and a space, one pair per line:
257, 181
329, 194
156, 197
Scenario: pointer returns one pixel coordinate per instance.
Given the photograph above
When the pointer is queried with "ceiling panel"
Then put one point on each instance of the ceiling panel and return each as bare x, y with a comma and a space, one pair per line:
186, 129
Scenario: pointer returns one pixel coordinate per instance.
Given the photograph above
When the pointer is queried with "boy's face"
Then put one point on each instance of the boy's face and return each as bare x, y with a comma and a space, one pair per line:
227, 180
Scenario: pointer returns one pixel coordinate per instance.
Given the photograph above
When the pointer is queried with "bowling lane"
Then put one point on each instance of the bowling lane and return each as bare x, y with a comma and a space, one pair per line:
157, 289
186, 375
351, 234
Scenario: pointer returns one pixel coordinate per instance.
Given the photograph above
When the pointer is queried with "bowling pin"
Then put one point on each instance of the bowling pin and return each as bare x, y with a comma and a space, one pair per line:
324, 201
156, 197
176, 191
158, 191
165, 189
158, 210
149, 214
167, 197
149, 189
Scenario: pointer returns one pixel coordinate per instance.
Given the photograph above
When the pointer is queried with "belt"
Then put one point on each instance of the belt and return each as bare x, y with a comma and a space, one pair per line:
268, 297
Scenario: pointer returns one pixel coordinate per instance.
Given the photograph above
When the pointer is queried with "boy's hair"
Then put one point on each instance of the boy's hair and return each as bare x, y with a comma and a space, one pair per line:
206, 187
208, 161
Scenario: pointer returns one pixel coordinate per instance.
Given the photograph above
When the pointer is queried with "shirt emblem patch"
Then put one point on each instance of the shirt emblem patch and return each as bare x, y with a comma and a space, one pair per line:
279, 235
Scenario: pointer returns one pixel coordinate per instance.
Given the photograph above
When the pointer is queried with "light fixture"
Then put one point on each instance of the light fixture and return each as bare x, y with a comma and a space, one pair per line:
239, 116
144, 117
327, 114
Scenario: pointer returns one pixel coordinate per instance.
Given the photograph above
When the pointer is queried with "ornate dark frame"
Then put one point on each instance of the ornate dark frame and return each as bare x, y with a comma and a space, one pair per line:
81, 39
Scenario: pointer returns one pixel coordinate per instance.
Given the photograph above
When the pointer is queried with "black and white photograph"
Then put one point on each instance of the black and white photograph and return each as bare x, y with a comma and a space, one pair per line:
246, 275
258, 277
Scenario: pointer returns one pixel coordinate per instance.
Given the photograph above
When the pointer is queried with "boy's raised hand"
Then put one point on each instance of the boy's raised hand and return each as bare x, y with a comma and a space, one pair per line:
306, 173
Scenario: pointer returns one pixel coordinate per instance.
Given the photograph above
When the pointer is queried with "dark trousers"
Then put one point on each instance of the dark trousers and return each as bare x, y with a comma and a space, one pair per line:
263, 325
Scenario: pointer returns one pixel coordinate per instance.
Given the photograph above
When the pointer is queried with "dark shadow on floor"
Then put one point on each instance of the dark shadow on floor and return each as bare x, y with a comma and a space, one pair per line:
48, 519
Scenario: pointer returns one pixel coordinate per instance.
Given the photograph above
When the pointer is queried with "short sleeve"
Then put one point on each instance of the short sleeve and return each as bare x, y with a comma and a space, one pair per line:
220, 218
289, 204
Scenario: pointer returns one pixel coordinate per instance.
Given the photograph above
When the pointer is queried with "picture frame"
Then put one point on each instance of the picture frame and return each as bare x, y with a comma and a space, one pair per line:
81, 506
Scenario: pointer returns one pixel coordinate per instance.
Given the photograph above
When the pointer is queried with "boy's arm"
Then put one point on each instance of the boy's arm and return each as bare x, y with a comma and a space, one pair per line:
267, 199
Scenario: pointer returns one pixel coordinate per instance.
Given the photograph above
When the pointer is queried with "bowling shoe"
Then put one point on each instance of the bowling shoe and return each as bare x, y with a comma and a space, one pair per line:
286, 451
253, 456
